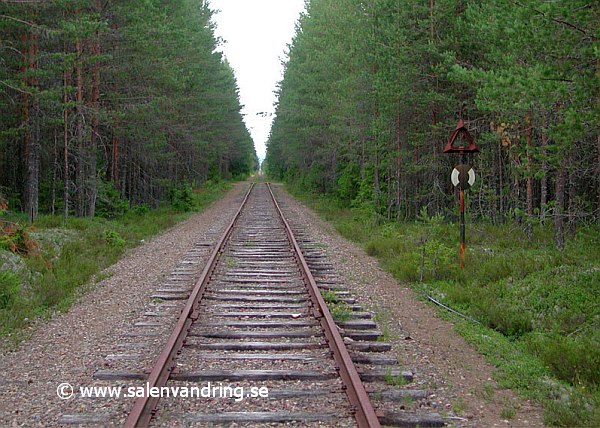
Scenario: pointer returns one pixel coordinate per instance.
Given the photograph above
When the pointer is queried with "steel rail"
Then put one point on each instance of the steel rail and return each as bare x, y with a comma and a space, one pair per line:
144, 407
365, 414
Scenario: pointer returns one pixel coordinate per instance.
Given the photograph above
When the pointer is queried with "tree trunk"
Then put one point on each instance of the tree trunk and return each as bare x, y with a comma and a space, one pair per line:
66, 176
55, 168
544, 180
572, 207
376, 187
598, 170
529, 179
31, 138
115, 161
80, 169
92, 185
398, 165
559, 209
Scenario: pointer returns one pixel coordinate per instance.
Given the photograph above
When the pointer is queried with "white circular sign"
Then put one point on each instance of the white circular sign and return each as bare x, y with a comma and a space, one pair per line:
463, 176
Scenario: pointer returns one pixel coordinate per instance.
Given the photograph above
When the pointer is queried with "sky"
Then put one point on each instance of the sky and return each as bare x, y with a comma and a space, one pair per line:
256, 34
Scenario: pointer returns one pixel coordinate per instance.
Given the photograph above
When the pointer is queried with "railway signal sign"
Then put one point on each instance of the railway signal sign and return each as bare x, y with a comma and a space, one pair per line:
462, 143
463, 176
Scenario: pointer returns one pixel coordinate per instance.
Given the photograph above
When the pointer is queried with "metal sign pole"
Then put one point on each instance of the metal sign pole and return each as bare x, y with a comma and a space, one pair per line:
463, 176
463, 246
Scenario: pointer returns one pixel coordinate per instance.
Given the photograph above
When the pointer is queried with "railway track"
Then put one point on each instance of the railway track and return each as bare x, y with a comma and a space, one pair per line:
256, 327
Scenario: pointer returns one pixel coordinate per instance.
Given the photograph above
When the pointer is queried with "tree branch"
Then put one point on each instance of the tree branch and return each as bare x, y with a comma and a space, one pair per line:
557, 20
15, 88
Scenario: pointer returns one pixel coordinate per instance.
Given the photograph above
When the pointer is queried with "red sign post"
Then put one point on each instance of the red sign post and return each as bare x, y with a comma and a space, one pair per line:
462, 143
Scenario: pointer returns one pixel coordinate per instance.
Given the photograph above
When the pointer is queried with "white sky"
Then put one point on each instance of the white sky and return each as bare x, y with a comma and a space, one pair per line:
256, 34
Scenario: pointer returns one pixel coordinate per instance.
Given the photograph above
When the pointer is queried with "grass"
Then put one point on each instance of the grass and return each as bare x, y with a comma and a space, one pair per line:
538, 307
54, 277
340, 311
394, 380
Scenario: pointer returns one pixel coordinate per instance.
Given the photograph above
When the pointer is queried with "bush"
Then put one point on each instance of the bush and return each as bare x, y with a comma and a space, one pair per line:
9, 289
15, 237
140, 209
113, 239
182, 198
572, 359
109, 203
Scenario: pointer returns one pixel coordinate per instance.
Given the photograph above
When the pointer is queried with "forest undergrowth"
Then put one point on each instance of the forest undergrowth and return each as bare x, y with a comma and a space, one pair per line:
531, 309
44, 266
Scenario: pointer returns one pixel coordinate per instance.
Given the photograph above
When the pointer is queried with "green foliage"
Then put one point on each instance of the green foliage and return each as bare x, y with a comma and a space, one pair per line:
16, 237
113, 238
168, 111
110, 203
348, 183
9, 289
340, 311
574, 359
181, 198
329, 297
372, 91
140, 209
69, 259
394, 380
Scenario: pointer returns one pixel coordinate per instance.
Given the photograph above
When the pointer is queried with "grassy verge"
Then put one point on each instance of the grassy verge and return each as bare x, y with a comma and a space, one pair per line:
538, 307
66, 255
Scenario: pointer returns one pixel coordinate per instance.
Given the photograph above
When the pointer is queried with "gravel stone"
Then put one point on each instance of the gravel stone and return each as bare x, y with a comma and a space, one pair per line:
72, 346
441, 360
117, 325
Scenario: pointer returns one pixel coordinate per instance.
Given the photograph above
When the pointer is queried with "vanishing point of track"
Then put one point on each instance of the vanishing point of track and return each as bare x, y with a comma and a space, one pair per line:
259, 247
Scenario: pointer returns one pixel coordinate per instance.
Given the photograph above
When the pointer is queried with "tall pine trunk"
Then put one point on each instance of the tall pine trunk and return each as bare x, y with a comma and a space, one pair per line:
92, 185
544, 180
31, 116
559, 208
529, 178
572, 206
80, 168
398, 165
66, 175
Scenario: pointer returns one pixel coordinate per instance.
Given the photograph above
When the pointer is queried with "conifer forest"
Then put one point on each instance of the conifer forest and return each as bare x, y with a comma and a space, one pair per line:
373, 90
120, 119
111, 102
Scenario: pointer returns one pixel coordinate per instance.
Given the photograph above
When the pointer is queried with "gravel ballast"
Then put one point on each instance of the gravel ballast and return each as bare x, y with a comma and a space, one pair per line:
99, 330
108, 328
458, 379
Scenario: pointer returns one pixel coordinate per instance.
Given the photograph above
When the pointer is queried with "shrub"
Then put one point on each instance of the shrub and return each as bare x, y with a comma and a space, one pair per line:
110, 204
140, 209
15, 237
572, 359
9, 288
182, 198
113, 238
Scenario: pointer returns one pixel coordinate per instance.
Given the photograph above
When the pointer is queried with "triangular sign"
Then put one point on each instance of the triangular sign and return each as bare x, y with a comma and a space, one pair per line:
461, 141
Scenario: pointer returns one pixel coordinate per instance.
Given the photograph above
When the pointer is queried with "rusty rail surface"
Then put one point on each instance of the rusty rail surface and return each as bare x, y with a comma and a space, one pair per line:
145, 407
365, 414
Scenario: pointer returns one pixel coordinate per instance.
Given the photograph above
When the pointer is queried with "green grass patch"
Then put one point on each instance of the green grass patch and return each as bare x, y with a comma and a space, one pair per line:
72, 252
391, 379
538, 306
